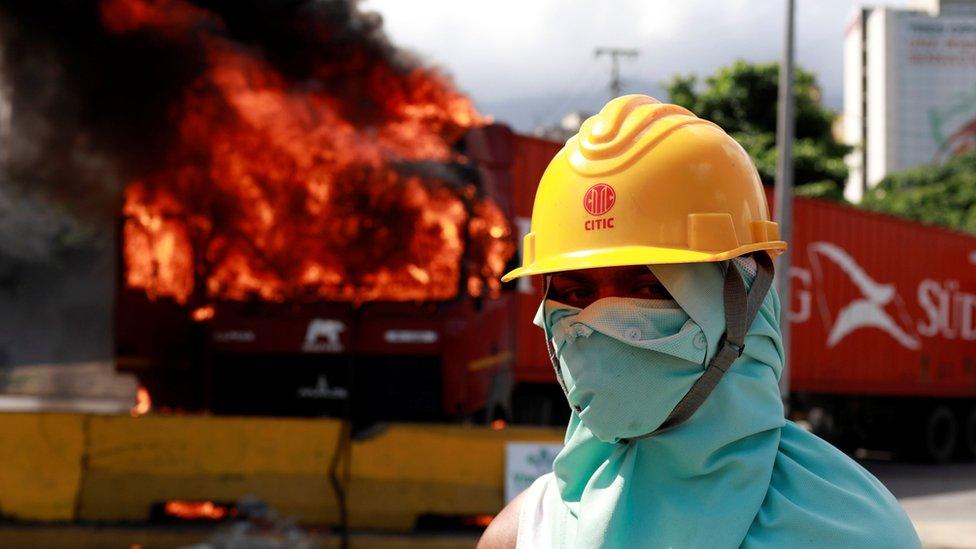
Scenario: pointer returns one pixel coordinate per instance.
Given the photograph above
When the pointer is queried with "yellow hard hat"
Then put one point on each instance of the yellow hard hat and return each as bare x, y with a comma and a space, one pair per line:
645, 183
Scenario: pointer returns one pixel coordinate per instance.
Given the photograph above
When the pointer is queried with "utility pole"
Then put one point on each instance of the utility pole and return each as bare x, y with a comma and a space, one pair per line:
615, 55
785, 131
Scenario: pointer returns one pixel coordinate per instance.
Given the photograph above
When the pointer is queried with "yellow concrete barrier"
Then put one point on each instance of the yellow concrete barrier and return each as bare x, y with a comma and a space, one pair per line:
133, 463
407, 471
40, 465
65, 467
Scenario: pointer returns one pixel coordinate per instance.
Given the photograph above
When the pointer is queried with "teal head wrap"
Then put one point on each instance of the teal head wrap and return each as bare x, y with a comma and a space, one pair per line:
735, 473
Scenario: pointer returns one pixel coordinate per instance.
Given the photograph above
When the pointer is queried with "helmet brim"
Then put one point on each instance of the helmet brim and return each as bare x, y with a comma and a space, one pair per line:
621, 256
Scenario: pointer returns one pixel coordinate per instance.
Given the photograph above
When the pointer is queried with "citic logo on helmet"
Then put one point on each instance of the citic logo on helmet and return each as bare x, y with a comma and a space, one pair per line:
597, 201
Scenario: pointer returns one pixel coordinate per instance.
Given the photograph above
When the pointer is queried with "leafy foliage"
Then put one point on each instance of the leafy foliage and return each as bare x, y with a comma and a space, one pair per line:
742, 98
940, 194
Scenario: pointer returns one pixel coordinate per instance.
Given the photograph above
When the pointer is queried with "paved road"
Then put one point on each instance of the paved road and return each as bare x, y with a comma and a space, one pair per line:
940, 499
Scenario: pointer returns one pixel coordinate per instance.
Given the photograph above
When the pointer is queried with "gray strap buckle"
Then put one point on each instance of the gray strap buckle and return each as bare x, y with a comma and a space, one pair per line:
737, 348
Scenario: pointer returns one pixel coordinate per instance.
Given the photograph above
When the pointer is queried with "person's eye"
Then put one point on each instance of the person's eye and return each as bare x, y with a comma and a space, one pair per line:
576, 293
652, 290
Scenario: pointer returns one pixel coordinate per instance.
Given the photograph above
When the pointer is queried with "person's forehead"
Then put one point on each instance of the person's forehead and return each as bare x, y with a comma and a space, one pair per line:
605, 274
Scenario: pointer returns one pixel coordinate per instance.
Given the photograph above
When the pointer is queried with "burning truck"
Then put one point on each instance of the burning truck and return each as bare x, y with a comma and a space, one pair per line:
324, 235
401, 317
308, 220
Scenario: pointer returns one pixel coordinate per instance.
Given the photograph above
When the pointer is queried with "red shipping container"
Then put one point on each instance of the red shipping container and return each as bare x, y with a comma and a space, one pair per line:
880, 305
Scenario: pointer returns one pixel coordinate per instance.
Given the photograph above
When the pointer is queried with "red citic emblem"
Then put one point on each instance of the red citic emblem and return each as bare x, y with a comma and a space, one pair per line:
599, 198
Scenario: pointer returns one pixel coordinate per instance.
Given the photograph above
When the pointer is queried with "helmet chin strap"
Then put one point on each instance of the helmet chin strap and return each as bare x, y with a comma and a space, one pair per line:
553, 359
741, 308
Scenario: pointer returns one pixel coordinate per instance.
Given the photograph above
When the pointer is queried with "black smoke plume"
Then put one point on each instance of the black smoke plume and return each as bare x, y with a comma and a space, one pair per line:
88, 108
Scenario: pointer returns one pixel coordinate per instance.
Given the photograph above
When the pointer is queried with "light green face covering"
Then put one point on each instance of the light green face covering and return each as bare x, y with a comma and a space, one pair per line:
735, 474
604, 352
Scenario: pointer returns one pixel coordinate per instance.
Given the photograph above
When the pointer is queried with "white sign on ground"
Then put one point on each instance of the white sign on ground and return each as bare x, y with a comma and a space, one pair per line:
525, 462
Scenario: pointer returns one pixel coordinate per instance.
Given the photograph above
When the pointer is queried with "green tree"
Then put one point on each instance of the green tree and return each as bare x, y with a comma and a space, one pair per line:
938, 194
742, 99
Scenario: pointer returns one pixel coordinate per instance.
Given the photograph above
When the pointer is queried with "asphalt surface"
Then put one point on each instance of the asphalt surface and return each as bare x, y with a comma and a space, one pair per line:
940, 499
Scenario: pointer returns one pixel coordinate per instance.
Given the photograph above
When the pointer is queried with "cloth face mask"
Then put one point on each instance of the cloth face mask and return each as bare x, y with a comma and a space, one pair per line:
624, 362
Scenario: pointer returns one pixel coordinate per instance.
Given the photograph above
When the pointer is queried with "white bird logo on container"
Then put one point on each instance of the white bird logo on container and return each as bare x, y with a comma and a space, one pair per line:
865, 312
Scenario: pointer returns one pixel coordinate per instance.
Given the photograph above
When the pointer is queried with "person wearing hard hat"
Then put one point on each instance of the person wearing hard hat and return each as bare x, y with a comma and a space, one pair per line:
652, 236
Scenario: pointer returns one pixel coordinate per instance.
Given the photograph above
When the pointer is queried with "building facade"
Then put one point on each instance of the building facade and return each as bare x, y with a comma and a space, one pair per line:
909, 88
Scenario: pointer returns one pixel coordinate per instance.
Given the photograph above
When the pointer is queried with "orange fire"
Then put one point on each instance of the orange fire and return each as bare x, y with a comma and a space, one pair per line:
203, 314
273, 191
481, 521
195, 510
143, 403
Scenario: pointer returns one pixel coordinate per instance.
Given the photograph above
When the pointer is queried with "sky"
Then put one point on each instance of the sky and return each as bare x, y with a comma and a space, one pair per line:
528, 62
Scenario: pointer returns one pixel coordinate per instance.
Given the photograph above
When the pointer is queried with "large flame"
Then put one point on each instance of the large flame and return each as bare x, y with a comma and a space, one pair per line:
274, 191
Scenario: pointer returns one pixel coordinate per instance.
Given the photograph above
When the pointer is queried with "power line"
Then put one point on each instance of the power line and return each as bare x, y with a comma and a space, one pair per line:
615, 54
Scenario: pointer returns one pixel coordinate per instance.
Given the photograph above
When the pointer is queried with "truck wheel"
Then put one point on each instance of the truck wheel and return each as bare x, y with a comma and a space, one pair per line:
939, 435
967, 444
